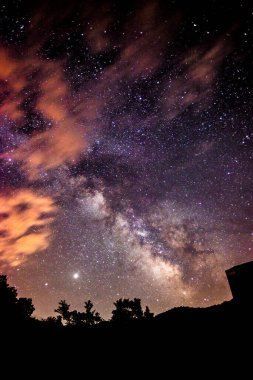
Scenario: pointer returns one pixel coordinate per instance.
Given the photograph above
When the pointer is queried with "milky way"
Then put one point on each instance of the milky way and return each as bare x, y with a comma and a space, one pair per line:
125, 150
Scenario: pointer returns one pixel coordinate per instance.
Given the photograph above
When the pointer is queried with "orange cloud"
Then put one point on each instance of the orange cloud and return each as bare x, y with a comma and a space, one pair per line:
97, 30
12, 83
60, 144
145, 38
9, 71
48, 150
53, 93
25, 220
195, 83
148, 33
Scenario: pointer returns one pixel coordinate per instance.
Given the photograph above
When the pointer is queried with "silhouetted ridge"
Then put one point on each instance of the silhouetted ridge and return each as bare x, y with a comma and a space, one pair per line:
129, 321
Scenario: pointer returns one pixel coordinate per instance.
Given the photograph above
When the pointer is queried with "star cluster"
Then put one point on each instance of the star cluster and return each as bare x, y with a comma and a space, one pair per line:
125, 150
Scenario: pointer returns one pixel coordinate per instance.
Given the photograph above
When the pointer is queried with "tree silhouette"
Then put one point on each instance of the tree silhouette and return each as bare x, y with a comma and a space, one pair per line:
126, 309
137, 312
8, 299
77, 318
25, 307
147, 313
14, 309
11, 307
122, 310
53, 321
91, 317
63, 310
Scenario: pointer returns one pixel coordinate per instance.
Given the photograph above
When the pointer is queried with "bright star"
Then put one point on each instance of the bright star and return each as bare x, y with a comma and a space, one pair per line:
76, 276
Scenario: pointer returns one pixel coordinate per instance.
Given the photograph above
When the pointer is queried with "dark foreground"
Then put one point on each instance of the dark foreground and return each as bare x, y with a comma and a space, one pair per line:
183, 326
183, 342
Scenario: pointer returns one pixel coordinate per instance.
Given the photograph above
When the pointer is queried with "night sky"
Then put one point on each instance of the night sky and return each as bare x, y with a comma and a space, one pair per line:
125, 150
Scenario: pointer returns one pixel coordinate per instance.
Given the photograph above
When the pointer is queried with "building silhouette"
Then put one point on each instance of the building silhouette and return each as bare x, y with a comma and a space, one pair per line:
240, 278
